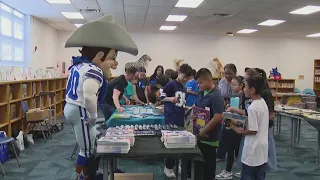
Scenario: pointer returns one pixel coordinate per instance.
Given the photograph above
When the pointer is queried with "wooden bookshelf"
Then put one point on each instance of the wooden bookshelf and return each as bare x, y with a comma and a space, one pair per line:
14, 92
316, 77
281, 86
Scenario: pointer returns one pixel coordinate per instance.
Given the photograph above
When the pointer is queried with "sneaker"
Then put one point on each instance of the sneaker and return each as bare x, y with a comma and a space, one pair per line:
238, 175
218, 160
169, 173
224, 175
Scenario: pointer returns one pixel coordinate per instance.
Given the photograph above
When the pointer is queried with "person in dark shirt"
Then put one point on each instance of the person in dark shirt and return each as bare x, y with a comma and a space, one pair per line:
142, 85
209, 98
115, 91
157, 72
174, 99
171, 74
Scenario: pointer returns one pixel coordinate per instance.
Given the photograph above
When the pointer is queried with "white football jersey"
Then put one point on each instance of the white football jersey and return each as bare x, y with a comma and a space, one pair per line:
78, 74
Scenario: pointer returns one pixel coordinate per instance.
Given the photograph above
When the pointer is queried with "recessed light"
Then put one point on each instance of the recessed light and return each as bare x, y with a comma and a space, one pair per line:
247, 31
168, 28
188, 3
306, 10
72, 15
78, 25
271, 22
313, 35
58, 1
176, 17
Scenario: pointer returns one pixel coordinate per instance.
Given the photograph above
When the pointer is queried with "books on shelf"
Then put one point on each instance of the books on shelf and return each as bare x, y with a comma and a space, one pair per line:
24, 90
13, 111
178, 139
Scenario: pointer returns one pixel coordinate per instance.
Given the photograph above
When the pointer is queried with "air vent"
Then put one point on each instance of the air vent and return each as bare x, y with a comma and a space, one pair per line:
90, 10
223, 15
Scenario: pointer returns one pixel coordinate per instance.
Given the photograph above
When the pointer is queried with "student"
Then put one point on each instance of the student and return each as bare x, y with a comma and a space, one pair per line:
232, 138
209, 98
142, 85
255, 149
266, 94
157, 89
157, 72
171, 74
192, 89
230, 70
174, 99
115, 91
130, 94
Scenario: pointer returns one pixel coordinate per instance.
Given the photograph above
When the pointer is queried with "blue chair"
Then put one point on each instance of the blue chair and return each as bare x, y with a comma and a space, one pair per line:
309, 92
296, 90
8, 140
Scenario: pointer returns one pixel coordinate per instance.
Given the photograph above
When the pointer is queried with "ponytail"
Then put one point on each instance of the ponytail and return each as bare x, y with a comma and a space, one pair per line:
264, 76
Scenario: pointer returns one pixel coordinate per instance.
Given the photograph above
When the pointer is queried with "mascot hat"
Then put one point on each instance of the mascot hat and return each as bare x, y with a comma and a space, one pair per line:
103, 32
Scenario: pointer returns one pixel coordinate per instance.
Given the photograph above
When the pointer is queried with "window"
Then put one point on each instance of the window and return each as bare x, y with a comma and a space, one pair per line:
13, 43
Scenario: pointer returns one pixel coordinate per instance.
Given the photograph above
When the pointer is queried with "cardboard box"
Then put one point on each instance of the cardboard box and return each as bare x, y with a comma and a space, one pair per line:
133, 176
37, 114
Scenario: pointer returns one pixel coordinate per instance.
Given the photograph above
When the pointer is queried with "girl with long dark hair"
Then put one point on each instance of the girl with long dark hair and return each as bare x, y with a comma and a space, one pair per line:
157, 72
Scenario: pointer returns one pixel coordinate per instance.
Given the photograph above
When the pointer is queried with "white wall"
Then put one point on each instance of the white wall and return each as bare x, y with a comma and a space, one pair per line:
293, 57
46, 39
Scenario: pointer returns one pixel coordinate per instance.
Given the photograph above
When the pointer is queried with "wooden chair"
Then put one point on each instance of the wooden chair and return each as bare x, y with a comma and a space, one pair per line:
25, 109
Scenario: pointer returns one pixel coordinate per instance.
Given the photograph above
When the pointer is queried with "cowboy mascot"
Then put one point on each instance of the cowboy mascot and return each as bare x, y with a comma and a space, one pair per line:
100, 40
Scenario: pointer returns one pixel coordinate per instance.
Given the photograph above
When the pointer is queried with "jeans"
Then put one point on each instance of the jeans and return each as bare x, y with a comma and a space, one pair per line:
107, 111
233, 144
222, 149
252, 173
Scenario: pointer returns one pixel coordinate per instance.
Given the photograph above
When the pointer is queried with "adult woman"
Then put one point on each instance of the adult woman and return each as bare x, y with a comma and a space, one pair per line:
157, 72
230, 70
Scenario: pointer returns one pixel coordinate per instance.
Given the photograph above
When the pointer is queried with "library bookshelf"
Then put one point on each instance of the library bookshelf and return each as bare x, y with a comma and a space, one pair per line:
281, 86
15, 92
316, 77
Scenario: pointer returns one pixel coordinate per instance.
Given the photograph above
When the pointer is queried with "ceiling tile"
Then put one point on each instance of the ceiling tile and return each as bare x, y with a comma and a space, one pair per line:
111, 9
170, 3
159, 10
215, 4
181, 11
109, 2
83, 4
91, 16
64, 8
203, 12
136, 2
135, 9
153, 17
135, 17
238, 6
135, 24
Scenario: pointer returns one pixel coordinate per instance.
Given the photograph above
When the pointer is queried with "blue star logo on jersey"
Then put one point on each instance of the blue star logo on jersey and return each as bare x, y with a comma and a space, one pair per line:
81, 176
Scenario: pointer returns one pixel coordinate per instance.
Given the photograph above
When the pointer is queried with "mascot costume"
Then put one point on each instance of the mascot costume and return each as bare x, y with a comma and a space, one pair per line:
100, 41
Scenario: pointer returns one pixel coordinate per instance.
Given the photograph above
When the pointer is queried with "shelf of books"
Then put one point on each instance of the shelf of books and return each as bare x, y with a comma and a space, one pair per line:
316, 77
15, 92
281, 86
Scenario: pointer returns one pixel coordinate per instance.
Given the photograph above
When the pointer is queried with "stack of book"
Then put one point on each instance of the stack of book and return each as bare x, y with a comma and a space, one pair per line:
178, 139
123, 134
117, 145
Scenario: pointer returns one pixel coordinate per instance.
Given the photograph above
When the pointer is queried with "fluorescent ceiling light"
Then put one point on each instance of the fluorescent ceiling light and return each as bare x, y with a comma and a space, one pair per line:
78, 25
72, 15
247, 31
306, 10
314, 35
176, 17
271, 22
59, 1
168, 28
188, 3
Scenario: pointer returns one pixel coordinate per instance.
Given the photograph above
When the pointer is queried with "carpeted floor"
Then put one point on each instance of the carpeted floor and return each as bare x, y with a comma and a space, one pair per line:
50, 161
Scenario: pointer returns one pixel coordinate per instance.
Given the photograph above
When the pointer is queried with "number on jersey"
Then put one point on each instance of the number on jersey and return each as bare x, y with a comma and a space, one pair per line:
72, 85
181, 96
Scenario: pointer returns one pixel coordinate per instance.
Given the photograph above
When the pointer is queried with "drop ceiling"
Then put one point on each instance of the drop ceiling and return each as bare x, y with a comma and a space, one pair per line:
149, 15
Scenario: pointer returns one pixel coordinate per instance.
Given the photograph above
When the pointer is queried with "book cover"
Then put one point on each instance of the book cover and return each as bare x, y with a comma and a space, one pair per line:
239, 119
13, 111
24, 90
202, 119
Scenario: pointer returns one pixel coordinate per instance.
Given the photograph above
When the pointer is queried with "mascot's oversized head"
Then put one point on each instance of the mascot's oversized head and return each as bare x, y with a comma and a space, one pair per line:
101, 40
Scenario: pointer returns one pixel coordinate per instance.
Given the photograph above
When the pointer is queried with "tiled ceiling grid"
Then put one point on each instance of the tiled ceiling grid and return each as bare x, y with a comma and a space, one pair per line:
149, 15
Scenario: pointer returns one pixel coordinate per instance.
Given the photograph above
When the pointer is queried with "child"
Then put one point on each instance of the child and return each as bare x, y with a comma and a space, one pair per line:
232, 138
157, 72
174, 99
255, 149
192, 89
171, 74
157, 89
142, 86
211, 99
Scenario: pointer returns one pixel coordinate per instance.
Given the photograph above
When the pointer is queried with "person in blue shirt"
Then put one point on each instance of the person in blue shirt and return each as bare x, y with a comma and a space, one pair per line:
157, 72
174, 99
192, 89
